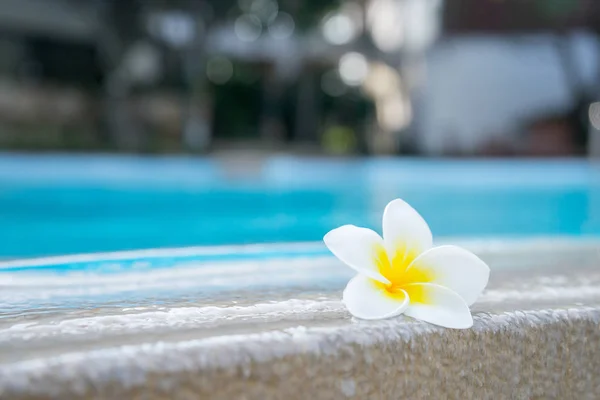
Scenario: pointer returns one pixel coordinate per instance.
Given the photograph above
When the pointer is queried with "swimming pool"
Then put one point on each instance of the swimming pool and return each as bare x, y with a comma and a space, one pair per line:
54, 204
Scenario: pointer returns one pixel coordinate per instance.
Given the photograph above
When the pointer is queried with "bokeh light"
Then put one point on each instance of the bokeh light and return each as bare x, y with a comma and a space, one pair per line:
382, 80
219, 70
353, 68
339, 140
264, 9
248, 27
339, 29
282, 26
393, 113
384, 19
332, 84
176, 28
594, 115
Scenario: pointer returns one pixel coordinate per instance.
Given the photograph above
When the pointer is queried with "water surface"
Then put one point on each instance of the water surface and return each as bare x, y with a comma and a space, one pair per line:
52, 204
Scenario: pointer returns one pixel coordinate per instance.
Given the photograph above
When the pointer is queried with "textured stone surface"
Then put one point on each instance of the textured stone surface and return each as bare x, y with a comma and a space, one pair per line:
521, 355
536, 336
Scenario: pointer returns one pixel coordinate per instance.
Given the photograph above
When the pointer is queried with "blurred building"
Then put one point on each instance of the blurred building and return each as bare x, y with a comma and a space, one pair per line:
514, 93
513, 78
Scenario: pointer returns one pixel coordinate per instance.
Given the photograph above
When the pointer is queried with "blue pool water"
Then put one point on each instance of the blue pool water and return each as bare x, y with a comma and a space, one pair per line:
51, 204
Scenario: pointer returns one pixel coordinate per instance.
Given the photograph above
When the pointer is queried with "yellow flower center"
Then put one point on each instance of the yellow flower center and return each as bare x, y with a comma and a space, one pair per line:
400, 276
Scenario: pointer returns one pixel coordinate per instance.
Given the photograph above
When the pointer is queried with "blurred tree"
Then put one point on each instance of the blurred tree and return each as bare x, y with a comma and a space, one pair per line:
127, 23
308, 13
135, 48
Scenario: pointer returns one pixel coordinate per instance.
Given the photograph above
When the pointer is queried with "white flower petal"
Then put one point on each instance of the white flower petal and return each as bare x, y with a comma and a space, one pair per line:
358, 248
365, 299
455, 268
437, 305
403, 227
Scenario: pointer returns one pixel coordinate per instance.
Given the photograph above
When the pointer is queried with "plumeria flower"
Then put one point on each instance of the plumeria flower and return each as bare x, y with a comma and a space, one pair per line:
404, 273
